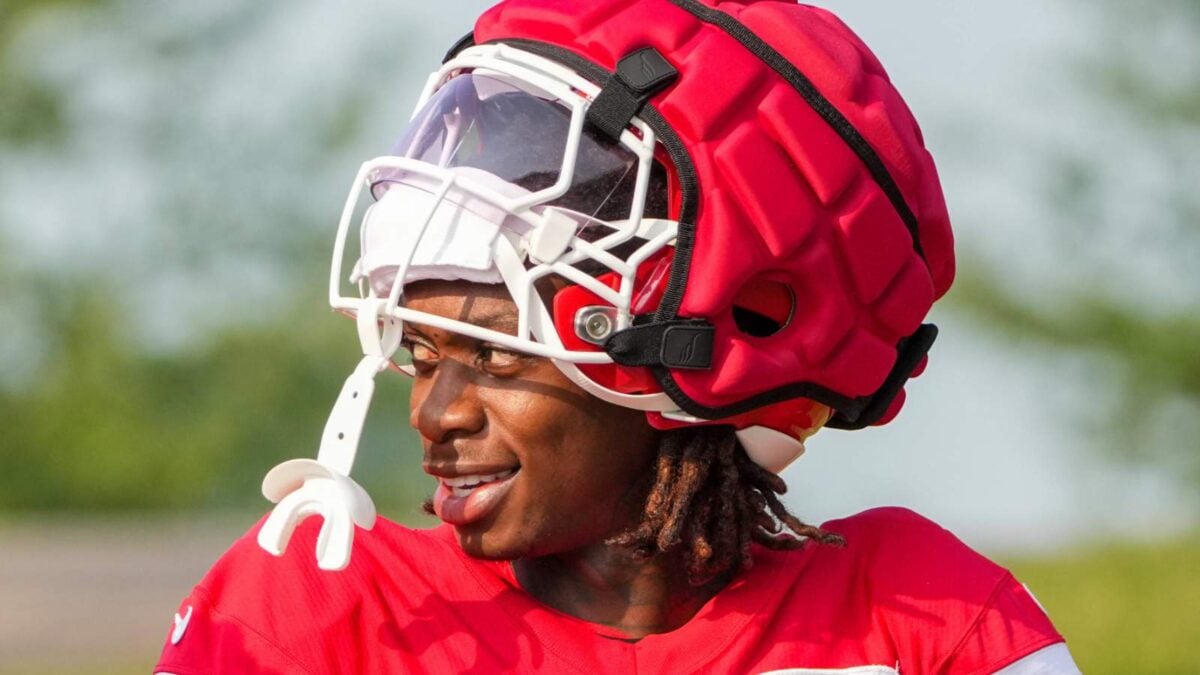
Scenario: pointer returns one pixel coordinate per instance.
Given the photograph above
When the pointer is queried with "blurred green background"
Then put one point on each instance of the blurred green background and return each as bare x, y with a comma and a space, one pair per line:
169, 178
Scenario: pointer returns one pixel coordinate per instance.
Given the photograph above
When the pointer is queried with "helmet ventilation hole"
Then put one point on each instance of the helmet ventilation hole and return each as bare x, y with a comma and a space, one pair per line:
764, 307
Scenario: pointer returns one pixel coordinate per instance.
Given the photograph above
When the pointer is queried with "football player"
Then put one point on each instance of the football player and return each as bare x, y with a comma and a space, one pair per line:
633, 253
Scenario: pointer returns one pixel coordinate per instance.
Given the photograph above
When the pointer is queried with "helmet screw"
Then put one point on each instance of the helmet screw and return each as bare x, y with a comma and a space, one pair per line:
598, 326
596, 323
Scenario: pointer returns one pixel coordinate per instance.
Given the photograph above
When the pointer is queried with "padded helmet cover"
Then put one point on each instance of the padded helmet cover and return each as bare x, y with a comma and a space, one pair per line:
781, 194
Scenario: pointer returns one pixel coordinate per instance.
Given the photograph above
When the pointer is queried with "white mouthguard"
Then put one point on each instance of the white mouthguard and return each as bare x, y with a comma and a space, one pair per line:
303, 487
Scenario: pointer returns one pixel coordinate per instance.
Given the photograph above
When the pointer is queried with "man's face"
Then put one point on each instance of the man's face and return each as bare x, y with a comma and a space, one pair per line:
527, 463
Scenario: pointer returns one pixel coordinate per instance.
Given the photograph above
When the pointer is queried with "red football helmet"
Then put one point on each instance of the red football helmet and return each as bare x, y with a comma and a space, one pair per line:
741, 202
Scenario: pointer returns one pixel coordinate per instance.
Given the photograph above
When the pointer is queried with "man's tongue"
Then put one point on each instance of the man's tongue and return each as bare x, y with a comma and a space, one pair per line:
476, 505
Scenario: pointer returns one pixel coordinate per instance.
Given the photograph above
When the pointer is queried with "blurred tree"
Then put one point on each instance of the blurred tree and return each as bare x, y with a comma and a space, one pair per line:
164, 341
160, 147
109, 426
32, 111
1128, 237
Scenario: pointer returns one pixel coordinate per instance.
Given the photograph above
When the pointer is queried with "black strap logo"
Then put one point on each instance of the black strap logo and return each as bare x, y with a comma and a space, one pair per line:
687, 347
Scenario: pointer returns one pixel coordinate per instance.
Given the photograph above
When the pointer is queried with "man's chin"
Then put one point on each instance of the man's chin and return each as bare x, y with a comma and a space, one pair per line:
483, 545
473, 540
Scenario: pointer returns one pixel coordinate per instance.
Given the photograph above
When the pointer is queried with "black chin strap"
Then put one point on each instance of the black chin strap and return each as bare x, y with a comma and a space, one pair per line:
688, 344
910, 352
683, 343
640, 75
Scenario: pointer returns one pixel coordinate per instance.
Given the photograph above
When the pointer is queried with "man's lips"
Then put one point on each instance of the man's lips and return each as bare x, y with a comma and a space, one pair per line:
450, 468
465, 498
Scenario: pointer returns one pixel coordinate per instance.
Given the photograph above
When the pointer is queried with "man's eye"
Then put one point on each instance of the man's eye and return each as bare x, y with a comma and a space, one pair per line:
419, 351
496, 358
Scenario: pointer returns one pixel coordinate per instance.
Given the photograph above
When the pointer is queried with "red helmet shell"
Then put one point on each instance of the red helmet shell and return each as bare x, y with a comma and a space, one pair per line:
860, 236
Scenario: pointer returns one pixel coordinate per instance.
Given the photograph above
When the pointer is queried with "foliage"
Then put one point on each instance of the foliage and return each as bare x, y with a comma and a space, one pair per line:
32, 111
109, 426
1125, 288
162, 345
1147, 405
1124, 608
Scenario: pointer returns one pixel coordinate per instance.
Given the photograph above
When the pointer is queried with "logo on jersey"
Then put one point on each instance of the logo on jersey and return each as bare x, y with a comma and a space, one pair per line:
181, 624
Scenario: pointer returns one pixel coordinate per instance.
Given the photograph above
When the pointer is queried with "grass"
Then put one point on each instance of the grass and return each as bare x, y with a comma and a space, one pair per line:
1124, 608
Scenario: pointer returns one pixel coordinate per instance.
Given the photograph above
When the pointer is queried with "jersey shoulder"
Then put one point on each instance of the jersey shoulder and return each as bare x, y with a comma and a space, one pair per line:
255, 612
905, 553
247, 578
947, 607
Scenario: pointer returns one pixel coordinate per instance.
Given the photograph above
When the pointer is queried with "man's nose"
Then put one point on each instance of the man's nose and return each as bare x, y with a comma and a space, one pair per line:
446, 404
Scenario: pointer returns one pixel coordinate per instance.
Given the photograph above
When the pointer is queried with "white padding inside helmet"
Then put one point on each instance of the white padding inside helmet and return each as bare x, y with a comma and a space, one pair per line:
770, 449
456, 244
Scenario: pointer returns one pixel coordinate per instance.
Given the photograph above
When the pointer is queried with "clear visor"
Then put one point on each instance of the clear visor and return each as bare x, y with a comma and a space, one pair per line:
499, 179
519, 135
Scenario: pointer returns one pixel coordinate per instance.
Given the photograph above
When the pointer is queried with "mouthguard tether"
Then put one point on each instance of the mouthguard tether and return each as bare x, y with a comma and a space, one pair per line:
304, 487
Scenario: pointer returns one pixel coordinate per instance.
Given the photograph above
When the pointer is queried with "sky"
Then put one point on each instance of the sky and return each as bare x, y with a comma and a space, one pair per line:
982, 446
986, 445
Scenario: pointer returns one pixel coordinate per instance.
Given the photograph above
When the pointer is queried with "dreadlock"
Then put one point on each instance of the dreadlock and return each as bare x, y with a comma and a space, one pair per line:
709, 497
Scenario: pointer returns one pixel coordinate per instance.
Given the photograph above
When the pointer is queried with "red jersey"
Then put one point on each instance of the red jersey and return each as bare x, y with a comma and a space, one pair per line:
904, 596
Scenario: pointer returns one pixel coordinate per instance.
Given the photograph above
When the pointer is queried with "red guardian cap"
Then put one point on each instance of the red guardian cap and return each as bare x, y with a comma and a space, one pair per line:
813, 234
738, 208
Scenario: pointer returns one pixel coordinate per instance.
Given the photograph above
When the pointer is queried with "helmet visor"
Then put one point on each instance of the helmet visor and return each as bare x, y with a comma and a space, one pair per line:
520, 135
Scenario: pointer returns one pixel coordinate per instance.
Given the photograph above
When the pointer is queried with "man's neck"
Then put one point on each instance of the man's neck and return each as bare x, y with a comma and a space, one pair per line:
606, 585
